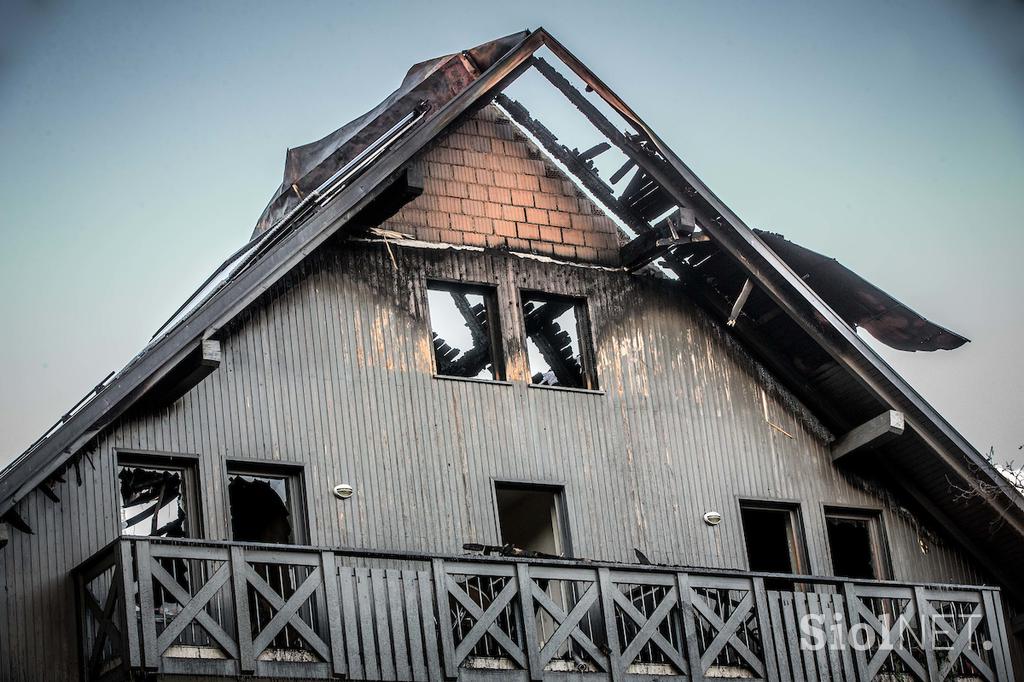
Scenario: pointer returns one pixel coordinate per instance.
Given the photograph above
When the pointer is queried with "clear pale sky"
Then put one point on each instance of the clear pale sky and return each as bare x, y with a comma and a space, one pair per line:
140, 141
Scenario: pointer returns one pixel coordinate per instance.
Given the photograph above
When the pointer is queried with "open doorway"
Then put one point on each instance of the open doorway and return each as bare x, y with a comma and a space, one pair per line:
774, 540
530, 518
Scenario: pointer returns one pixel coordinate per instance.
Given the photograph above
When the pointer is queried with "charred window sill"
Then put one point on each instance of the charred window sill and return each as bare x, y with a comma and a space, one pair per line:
567, 389
473, 380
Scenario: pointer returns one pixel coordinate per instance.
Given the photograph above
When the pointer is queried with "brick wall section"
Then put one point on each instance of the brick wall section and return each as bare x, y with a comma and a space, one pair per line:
487, 185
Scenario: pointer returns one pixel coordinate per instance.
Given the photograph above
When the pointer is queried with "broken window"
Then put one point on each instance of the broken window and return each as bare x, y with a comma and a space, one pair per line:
266, 504
558, 344
157, 496
530, 517
464, 326
774, 540
857, 545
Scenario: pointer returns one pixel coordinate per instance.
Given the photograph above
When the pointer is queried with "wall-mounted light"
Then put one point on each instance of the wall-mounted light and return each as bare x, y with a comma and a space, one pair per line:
712, 518
343, 491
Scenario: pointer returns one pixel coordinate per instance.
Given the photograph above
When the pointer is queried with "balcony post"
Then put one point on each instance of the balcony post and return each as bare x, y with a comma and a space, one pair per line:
243, 627
530, 640
689, 626
927, 634
997, 631
126, 566
616, 666
150, 656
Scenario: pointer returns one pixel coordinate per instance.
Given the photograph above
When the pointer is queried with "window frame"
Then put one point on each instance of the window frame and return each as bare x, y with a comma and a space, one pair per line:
877, 536
558, 491
490, 293
798, 538
187, 462
294, 472
584, 330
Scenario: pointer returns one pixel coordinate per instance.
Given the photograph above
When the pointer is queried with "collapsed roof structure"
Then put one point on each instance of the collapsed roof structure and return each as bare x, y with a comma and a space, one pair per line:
796, 310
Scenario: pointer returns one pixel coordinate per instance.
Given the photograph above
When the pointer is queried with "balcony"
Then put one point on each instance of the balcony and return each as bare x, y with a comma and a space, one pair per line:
226, 609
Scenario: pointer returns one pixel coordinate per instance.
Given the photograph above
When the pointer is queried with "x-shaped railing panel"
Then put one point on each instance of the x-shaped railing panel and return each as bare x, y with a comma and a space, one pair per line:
891, 637
960, 640
486, 621
286, 612
569, 624
193, 608
649, 628
727, 632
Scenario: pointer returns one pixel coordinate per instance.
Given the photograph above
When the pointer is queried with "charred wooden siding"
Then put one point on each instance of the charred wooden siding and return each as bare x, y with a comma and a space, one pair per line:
335, 370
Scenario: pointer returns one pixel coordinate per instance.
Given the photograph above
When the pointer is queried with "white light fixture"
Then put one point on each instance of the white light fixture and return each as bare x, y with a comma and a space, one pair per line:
712, 518
343, 491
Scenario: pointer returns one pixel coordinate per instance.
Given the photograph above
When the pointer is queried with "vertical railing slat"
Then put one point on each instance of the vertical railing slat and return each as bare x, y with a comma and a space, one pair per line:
413, 618
764, 627
329, 571
349, 618
431, 622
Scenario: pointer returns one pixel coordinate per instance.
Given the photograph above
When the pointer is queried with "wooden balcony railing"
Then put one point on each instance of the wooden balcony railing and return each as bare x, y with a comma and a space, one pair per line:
204, 608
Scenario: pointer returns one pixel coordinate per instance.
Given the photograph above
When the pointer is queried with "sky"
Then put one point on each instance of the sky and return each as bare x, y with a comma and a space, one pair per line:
141, 140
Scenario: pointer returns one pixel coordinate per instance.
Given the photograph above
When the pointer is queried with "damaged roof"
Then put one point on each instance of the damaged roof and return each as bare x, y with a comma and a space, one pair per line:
800, 318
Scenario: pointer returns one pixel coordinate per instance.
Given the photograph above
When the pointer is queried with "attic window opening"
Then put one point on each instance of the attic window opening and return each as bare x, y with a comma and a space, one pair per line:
157, 497
558, 341
464, 330
857, 544
266, 504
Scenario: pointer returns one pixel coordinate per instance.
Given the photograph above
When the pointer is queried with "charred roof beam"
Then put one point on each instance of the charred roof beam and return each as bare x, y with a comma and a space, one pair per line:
675, 230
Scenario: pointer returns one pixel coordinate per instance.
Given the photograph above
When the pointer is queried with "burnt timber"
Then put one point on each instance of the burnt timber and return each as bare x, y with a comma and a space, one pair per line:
723, 366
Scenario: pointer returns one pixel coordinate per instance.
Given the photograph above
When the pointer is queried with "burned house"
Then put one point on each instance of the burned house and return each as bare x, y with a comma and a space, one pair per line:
499, 391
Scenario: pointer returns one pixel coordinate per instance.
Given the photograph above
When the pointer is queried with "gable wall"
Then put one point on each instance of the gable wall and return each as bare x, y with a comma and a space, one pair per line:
487, 185
335, 371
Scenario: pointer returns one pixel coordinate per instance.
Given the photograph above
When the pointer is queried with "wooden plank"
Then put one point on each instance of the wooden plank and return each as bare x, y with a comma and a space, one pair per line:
780, 637
431, 640
336, 637
413, 619
870, 434
845, 653
444, 619
371, 648
531, 642
150, 655
349, 613
796, 661
396, 604
129, 627
835, 663
243, 622
820, 655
